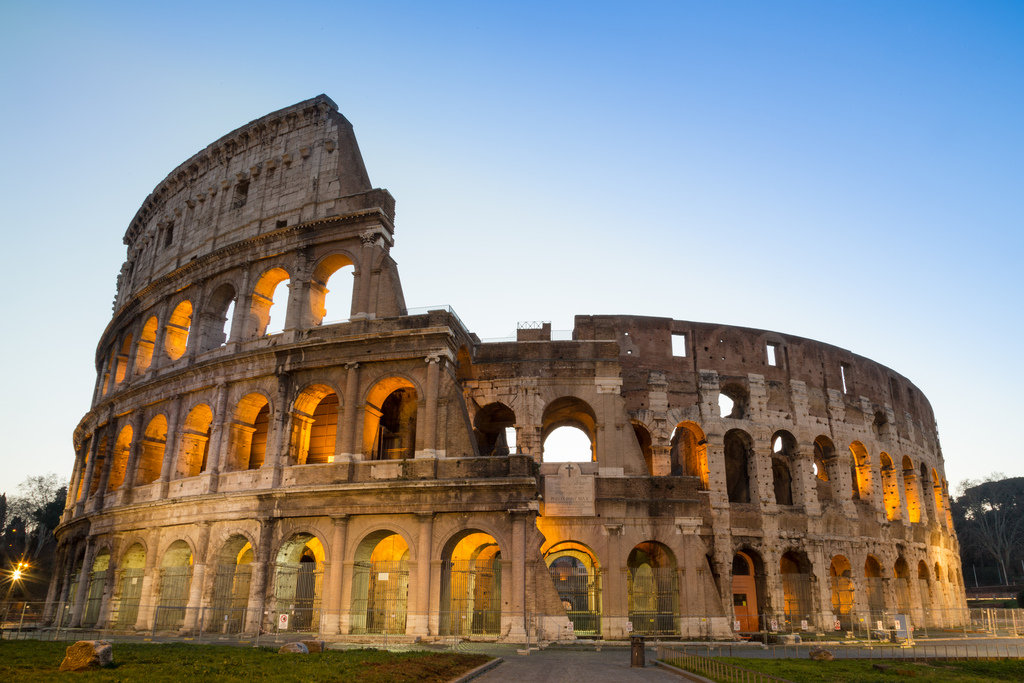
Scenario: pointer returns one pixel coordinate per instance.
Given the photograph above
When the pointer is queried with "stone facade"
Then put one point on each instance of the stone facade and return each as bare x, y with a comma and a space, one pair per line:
386, 473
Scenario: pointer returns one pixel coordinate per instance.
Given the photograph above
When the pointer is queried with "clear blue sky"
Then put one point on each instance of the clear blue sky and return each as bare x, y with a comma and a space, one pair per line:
850, 172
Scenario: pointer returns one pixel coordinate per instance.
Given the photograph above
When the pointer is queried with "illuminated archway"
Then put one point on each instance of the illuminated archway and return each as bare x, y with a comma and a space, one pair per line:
577, 578
176, 330
122, 359
389, 427
653, 589
571, 426
689, 452
298, 581
334, 304
174, 581
826, 478
890, 487
195, 442
151, 457
911, 490
215, 320
128, 593
263, 295
147, 344
231, 582
249, 432
94, 596
875, 585
380, 584
315, 425
862, 482
841, 579
796, 587
471, 585
119, 464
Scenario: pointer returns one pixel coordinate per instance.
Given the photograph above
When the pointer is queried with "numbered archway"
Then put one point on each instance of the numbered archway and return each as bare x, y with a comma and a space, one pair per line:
577, 578
128, 593
298, 583
653, 590
174, 578
747, 590
796, 588
380, 584
471, 585
841, 580
231, 580
94, 596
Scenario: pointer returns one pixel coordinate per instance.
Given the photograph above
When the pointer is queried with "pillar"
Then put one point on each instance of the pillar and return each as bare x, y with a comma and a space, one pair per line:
260, 571
90, 468
349, 452
96, 502
277, 457
194, 607
335, 574
82, 590
418, 622
218, 443
132, 465
243, 302
518, 607
144, 621
430, 428
369, 240
171, 447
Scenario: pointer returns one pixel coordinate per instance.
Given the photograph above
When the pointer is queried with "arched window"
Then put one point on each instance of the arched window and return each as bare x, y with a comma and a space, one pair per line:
689, 452
151, 459
494, 428
122, 359
824, 466
215, 319
268, 292
176, 334
195, 442
890, 487
568, 431
862, 480
643, 439
332, 304
738, 449
910, 489
147, 343
249, 431
783, 451
119, 464
389, 429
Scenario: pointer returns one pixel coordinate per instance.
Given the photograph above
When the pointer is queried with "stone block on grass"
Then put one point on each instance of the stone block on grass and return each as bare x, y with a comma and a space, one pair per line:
87, 654
294, 648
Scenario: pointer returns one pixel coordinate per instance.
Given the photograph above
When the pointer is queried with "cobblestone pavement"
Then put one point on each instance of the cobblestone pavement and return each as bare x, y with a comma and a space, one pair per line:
565, 666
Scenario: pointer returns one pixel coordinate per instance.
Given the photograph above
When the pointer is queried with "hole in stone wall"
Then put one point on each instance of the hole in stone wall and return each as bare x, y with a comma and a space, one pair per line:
773, 354
679, 345
241, 194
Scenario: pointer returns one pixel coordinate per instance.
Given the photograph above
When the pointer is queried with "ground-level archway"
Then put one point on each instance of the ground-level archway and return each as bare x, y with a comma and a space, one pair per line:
380, 584
470, 585
841, 580
174, 580
653, 590
796, 588
298, 583
125, 610
576, 576
231, 580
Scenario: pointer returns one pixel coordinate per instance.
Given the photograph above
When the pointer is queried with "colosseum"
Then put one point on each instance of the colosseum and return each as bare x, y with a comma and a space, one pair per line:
255, 462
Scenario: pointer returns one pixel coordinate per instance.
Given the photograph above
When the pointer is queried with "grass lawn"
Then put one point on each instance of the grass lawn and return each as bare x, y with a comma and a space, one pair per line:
27, 661
862, 671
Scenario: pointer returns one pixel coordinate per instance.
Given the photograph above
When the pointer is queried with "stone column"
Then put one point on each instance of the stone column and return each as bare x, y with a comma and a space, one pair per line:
159, 345
335, 574
148, 594
96, 502
243, 303
349, 450
418, 622
194, 608
518, 607
369, 240
82, 590
260, 574
90, 468
279, 456
218, 444
430, 411
171, 447
616, 612
133, 458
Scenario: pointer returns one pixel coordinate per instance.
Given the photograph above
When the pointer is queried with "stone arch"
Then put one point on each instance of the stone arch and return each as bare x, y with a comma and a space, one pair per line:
232, 578
263, 294
644, 441
151, 455
826, 477
122, 359
902, 585
573, 413
653, 589
749, 595
214, 320
940, 503
875, 586
576, 574
146, 345
491, 426
797, 576
689, 452
315, 424
298, 579
195, 442
380, 582
738, 451
97, 580
176, 330
736, 401
841, 579
249, 433
327, 268
911, 490
389, 424
119, 458
124, 610
861, 466
890, 486
470, 584
174, 579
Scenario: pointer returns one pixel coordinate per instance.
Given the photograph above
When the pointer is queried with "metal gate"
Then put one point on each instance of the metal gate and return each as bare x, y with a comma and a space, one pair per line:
796, 589
470, 597
926, 602
129, 594
903, 596
653, 600
580, 594
297, 591
380, 593
842, 601
230, 598
94, 598
174, 588
876, 597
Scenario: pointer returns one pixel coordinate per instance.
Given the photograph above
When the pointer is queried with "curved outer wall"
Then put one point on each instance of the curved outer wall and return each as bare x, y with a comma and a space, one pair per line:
390, 425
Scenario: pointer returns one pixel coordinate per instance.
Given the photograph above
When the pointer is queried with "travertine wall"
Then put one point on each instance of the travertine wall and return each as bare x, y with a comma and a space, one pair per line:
412, 446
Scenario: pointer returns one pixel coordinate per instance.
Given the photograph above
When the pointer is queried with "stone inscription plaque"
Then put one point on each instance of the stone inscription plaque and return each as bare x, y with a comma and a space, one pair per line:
570, 493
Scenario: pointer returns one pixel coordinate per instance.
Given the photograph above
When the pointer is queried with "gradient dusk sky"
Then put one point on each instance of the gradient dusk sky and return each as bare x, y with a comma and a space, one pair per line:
852, 172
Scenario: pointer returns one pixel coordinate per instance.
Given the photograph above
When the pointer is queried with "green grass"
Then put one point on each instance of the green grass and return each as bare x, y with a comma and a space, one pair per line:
862, 671
29, 661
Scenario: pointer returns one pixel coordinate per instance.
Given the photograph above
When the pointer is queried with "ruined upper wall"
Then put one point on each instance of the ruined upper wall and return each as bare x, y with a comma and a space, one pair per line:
295, 165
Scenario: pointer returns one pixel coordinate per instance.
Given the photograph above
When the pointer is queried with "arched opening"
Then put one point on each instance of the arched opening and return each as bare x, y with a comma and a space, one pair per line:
125, 609
824, 468
924, 585
97, 472
72, 592
494, 428
643, 439
576, 576
195, 442
122, 359
119, 464
389, 428
215, 321
841, 578
298, 582
862, 481
738, 450
265, 294
249, 431
940, 503
902, 585
380, 584
315, 425
653, 590
94, 596
875, 588
732, 401
471, 585
881, 427
174, 580
176, 333
334, 304
231, 580
151, 457
910, 490
747, 574
783, 450
890, 487
147, 343
796, 587
568, 431
689, 452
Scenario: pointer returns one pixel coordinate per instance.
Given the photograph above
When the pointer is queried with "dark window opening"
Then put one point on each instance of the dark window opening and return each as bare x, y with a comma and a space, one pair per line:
282, 224
168, 235
241, 194
773, 354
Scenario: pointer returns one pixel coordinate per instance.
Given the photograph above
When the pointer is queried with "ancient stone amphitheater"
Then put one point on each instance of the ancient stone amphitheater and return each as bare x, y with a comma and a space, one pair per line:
255, 461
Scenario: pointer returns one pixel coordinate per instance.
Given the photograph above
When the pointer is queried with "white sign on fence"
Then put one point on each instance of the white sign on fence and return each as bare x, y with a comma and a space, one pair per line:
736, 625
282, 622
775, 624
629, 626
382, 576
803, 624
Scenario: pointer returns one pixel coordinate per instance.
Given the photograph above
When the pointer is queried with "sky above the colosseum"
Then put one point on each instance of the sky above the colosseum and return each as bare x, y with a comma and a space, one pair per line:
845, 171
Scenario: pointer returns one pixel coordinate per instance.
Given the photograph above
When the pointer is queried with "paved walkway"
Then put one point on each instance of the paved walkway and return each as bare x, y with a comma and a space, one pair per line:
565, 666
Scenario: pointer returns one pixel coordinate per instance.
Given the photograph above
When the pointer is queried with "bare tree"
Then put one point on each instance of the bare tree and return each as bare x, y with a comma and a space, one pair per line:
989, 517
40, 502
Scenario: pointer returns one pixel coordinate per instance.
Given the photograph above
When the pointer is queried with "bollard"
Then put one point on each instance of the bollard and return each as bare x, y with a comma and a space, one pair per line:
636, 651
